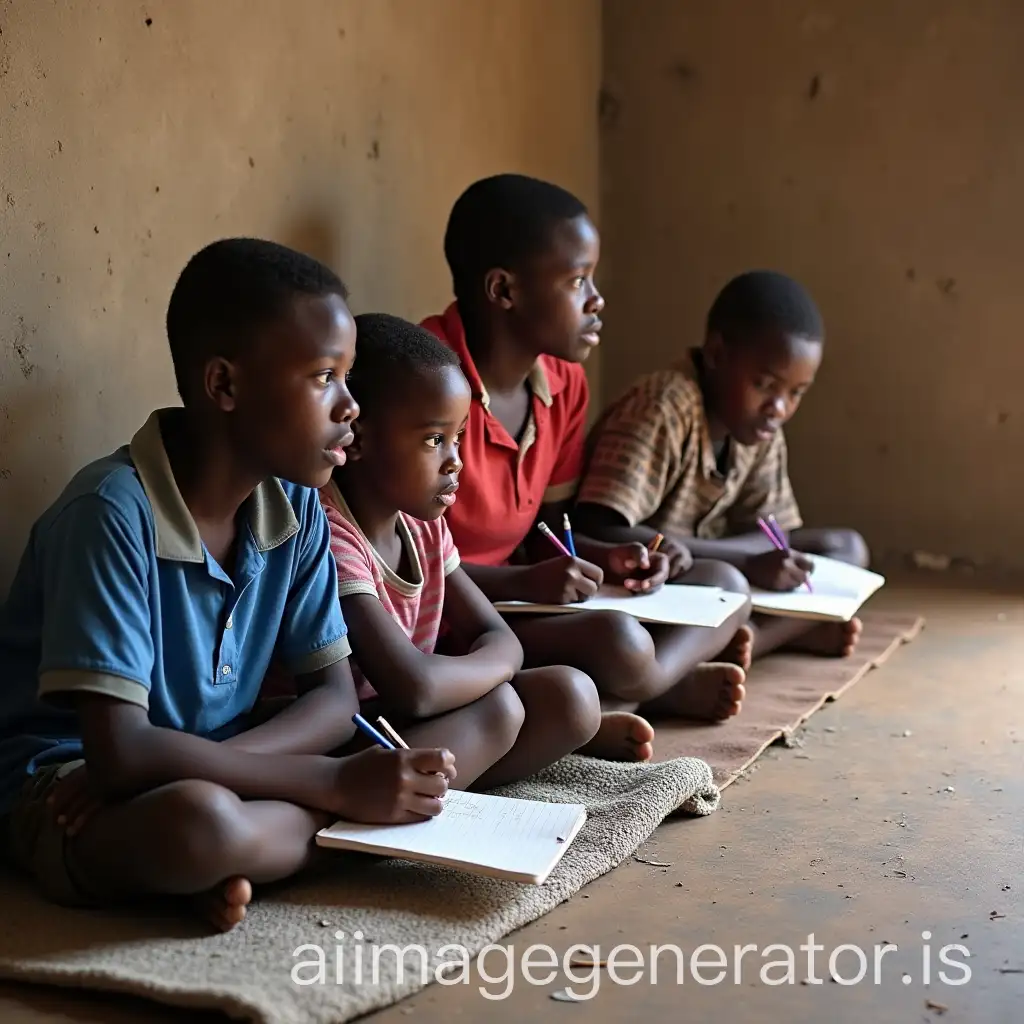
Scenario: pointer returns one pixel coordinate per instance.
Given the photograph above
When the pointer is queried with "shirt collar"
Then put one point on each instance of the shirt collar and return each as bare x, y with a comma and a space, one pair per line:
271, 517
740, 456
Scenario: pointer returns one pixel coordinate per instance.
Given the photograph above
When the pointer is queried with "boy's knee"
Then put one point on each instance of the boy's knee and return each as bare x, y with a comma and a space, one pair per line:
206, 822
846, 546
708, 572
626, 653
504, 715
857, 547
571, 699
621, 640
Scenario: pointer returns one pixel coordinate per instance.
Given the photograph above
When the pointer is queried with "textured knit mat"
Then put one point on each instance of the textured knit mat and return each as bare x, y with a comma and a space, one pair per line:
783, 691
247, 973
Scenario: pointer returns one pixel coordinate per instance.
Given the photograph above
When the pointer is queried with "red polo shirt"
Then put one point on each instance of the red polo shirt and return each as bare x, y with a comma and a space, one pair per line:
503, 484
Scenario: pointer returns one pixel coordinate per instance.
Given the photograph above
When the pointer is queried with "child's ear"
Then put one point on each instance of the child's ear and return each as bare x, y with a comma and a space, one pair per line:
220, 384
498, 288
714, 350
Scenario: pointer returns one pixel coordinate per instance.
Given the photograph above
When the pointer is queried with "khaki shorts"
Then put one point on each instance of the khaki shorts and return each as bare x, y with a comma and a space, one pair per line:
36, 844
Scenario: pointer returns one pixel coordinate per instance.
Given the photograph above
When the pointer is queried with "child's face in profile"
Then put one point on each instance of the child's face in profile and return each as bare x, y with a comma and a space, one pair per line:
757, 383
291, 409
411, 450
554, 299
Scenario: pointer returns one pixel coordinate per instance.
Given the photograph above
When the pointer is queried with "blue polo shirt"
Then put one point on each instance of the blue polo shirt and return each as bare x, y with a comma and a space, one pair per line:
117, 594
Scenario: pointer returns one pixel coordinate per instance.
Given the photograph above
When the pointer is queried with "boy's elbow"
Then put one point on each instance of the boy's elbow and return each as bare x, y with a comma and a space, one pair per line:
115, 742
112, 772
416, 694
417, 705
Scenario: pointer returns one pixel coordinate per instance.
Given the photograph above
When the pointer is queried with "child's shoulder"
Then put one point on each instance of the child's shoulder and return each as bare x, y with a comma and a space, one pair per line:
106, 489
672, 391
344, 529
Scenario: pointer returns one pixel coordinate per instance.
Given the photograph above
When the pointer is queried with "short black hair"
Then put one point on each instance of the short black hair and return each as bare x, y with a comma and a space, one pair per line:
390, 351
762, 300
230, 289
500, 222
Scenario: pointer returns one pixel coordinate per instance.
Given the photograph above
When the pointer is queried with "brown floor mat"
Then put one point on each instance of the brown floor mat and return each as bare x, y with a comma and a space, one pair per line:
783, 691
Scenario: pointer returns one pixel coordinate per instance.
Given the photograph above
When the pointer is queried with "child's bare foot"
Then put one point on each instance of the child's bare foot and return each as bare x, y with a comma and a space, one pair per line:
829, 639
623, 736
225, 905
740, 649
712, 692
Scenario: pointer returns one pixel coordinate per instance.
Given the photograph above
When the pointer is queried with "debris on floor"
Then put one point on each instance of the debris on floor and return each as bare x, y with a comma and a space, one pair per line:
563, 995
939, 1008
927, 560
789, 740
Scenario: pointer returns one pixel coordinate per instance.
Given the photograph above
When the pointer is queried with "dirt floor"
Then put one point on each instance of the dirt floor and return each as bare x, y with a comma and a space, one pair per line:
902, 813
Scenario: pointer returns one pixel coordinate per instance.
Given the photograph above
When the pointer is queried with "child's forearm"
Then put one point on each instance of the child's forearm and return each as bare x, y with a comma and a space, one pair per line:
594, 549
500, 582
317, 722
440, 683
126, 756
736, 551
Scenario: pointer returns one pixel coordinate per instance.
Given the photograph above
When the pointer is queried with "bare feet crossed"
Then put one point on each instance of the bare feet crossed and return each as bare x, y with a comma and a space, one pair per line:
622, 736
225, 905
830, 639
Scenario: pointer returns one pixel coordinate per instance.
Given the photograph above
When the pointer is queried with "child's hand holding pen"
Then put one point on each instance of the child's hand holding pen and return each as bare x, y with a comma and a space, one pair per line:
561, 580
398, 785
680, 560
781, 569
638, 568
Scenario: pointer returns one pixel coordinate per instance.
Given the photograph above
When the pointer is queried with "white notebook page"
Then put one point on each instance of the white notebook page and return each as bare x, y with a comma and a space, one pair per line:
673, 604
839, 591
520, 837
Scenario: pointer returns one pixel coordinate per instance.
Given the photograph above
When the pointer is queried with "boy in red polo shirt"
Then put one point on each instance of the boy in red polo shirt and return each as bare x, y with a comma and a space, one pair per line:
526, 314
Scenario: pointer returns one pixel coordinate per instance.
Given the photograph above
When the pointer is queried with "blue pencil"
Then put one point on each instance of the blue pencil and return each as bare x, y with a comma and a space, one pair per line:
568, 534
377, 738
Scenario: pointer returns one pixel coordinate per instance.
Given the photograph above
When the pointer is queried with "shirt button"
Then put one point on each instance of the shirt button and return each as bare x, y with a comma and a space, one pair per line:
226, 670
229, 623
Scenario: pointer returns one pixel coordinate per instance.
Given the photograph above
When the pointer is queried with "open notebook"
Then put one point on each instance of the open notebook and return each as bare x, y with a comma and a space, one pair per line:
839, 591
521, 840
675, 605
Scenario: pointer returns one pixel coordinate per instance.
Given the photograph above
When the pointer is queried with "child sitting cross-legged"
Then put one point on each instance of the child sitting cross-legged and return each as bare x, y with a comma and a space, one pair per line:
399, 577
697, 452
155, 592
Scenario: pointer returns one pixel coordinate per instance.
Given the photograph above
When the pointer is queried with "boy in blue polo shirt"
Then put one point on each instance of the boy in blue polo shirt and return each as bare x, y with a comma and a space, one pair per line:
156, 591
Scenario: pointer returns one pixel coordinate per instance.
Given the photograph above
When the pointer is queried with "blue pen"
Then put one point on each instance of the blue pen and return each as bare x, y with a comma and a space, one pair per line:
568, 534
363, 724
